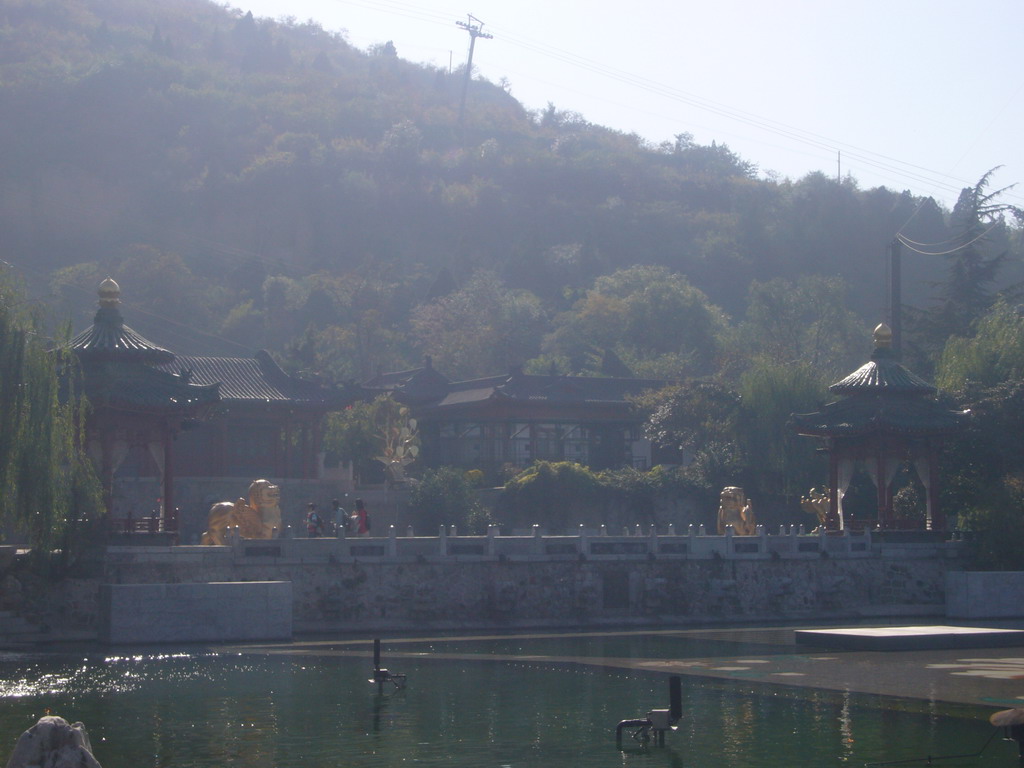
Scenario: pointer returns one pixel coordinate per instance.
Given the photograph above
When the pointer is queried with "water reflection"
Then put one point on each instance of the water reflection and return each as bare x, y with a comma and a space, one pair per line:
315, 709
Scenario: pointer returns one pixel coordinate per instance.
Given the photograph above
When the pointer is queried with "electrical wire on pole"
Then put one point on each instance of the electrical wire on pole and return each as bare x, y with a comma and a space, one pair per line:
475, 29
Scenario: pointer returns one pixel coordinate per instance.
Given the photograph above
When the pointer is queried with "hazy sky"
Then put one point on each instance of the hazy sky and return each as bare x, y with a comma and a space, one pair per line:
925, 95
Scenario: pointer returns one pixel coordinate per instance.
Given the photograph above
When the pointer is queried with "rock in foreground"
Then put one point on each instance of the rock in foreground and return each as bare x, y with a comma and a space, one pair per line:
53, 743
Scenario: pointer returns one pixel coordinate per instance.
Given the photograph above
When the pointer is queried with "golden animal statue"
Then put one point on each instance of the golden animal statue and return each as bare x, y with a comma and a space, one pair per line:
735, 509
259, 519
816, 503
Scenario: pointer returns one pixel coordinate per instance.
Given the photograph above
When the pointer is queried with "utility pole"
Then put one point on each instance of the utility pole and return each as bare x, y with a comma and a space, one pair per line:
896, 296
475, 29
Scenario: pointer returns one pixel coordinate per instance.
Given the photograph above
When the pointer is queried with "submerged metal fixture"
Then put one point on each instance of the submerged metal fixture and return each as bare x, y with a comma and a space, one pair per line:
657, 721
1012, 723
381, 675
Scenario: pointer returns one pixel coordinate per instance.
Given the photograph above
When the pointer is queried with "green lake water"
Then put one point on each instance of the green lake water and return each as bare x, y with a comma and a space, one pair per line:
469, 703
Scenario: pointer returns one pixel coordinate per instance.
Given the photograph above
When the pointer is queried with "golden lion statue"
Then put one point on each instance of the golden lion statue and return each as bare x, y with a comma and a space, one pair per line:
816, 503
259, 519
736, 510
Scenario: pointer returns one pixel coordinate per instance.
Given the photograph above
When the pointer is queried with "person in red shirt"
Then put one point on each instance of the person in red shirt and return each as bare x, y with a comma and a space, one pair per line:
360, 520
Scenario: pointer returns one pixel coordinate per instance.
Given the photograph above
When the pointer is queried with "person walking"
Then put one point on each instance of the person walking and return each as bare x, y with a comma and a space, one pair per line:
341, 520
360, 520
314, 523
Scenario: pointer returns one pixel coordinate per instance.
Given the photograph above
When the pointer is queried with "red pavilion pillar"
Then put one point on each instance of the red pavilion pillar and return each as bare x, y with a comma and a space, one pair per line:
882, 487
832, 522
170, 511
936, 519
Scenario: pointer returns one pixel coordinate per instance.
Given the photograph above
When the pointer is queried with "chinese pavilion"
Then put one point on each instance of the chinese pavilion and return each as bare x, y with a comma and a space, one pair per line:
887, 418
157, 413
135, 406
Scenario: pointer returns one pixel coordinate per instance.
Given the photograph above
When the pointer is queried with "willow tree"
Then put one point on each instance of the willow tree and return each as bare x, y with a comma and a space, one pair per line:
45, 477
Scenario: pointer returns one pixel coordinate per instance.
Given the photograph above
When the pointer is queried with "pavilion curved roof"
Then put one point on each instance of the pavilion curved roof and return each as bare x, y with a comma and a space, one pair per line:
881, 397
883, 373
127, 386
875, 414
109, 339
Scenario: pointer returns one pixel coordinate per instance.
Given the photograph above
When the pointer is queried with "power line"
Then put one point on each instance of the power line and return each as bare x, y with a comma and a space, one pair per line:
886, 166
960, 247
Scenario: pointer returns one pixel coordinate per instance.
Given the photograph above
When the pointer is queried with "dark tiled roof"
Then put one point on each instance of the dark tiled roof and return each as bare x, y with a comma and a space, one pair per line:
130, 386
255, 379
882, 373
472, 391
391, 379
109, 339
891, 414
525, 388
575, 389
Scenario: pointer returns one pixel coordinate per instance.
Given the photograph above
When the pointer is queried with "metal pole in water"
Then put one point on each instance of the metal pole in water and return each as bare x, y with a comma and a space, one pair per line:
675, 698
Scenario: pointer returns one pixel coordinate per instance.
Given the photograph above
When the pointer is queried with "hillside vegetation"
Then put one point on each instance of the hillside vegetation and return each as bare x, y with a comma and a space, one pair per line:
263, 184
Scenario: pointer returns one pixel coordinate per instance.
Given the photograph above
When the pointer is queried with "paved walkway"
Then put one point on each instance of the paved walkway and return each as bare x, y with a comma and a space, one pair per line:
989, 676
985, 676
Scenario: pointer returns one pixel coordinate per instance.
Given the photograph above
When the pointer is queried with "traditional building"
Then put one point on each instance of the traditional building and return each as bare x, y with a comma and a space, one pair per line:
888, 419
155, 413
514, 419
268, 423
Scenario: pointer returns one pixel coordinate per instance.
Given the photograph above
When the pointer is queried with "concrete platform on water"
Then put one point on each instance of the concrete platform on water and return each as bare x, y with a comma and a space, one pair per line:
923, 638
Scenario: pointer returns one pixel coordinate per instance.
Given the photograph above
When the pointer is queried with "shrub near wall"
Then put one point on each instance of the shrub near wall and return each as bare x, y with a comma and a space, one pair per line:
446, 496
561, 496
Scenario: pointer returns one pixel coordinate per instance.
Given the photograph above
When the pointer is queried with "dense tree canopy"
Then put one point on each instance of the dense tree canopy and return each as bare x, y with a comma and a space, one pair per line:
45, 477
264, 184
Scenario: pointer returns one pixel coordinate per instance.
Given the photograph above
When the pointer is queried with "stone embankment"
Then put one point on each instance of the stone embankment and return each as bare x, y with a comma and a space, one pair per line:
590, 579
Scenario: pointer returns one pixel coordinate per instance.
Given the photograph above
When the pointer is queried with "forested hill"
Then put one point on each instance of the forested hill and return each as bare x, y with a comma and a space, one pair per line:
253, 183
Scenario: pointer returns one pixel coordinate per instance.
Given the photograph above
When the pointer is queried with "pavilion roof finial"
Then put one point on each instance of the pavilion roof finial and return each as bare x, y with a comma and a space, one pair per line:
882, 336
110, 293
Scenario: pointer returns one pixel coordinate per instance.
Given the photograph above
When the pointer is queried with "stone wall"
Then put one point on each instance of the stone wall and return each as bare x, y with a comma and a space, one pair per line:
195, 612
475, 582
991, 594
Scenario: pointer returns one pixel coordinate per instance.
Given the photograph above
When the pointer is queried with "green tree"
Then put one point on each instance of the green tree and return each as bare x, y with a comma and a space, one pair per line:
983, 475
802, 321
352, 436
367, 430
45, 477
554, 495
445, 496
995, 354
781, 463
644, 314
978, 463
690, 415
974, 262
481, 329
